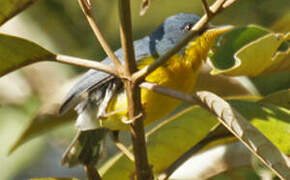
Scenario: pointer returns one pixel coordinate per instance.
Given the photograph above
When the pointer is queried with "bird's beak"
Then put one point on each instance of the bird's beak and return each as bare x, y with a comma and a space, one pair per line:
218, 30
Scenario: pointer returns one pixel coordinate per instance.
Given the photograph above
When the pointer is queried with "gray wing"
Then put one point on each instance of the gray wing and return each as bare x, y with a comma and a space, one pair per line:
94, 79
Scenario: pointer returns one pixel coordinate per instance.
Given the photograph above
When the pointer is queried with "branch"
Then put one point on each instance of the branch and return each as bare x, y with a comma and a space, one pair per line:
143, 169
92, 172
169, 92
216, 8
86, 6
87, 63
206, 8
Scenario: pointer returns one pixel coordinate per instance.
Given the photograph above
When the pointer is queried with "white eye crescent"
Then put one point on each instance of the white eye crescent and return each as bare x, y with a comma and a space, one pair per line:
188, 27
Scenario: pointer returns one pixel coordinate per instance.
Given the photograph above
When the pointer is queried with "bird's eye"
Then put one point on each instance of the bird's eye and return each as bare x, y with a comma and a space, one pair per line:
188, 27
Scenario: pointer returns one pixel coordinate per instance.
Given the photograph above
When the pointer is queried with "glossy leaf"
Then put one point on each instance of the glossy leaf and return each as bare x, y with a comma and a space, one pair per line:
249, 51
270, 83
166, 142
273, 121
12, 120
42, 123
268, 119
253, 139
16, 52
280, 98
10, 8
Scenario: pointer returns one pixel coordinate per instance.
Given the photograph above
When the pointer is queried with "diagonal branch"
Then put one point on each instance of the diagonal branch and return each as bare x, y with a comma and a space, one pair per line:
206, 8
216, 8
86, 7
86, 63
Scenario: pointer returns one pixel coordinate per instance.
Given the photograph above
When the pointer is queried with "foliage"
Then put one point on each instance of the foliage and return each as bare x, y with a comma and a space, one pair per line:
259, 53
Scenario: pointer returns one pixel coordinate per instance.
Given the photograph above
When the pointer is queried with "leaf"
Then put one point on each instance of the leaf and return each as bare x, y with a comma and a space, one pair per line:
42, 123
280, 98
273, 121
10, 8
270, 83
249, 51
16, 52
263, 117
254, 140
166, 142
12, 119
144, 6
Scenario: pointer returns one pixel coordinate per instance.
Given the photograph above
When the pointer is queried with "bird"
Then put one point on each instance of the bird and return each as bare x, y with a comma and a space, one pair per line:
100, 99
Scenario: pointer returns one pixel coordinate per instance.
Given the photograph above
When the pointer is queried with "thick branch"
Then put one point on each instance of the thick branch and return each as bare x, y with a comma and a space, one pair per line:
86, 63
216, 8
143, 170
86, 6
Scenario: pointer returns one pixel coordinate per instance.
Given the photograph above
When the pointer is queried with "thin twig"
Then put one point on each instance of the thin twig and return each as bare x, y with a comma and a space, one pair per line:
169, 92
92, 172
86, 63
121, 146
206, 8
86, 6
125, 150
143, 169
216, 8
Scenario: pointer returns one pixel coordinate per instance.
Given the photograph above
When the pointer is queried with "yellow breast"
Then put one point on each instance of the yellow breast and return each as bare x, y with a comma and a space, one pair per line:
179, 73
176, 74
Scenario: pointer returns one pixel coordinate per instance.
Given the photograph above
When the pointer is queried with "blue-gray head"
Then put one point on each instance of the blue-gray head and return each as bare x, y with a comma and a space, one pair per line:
172, 31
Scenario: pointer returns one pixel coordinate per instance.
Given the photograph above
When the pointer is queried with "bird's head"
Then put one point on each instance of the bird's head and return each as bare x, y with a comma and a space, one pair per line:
176, 27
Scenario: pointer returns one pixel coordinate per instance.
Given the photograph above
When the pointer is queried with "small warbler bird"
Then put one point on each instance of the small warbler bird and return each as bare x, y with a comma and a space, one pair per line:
101, 97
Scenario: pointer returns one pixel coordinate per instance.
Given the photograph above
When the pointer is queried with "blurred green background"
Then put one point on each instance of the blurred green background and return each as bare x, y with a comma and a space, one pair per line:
61, 27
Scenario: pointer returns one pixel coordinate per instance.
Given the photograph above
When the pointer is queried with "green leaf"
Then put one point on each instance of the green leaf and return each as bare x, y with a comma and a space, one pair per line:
249, 51
273, 121
187, 128
42, 123
12, 119
16, 52
166, 142
270, 83
10, 8
280, 98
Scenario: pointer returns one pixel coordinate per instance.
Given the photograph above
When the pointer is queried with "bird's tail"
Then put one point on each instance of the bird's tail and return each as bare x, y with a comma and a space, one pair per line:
85, 148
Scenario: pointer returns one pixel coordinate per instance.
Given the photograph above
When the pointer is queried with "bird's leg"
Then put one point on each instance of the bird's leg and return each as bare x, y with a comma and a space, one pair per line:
122, 147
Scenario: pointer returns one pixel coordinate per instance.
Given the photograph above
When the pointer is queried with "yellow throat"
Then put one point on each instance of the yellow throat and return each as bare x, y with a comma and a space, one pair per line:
179, 73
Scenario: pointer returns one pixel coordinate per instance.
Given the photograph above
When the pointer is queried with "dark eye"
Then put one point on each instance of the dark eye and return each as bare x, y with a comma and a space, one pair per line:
188, 27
